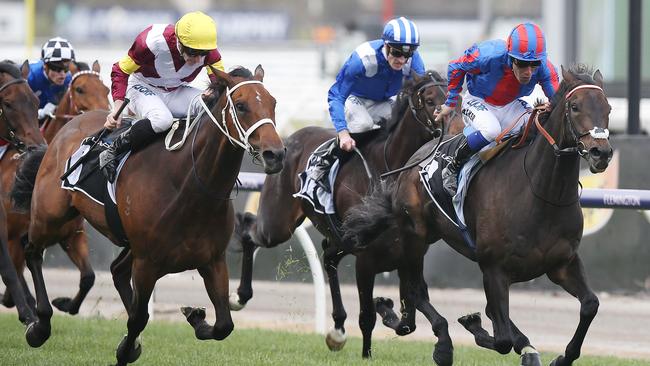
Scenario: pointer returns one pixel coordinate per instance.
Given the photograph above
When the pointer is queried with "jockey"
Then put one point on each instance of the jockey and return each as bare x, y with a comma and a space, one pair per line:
155, 75
365, 87
498, 74
49, 77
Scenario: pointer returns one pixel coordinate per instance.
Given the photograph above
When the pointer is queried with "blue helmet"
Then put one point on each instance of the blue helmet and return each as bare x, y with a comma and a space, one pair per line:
526, 42
402, 34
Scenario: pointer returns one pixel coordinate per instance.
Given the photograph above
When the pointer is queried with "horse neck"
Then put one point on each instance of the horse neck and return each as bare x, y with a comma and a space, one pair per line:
63, 110
407, 137
555, 177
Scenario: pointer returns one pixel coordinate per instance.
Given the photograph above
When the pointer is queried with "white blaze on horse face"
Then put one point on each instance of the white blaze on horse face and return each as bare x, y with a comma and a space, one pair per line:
258, 97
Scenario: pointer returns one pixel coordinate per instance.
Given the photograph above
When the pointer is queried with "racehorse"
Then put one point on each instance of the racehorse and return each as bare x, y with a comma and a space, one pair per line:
411, 125
18, 127
176, 218
85, 92
522, 208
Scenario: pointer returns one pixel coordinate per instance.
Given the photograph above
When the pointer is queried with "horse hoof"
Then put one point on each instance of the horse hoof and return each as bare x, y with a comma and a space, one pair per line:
234, 303
559, 361
64, 304
36, 334
531, 359
443, 355
383, 301
7, 301
335, 340
193, 315
470, 319
133, 354
405, 329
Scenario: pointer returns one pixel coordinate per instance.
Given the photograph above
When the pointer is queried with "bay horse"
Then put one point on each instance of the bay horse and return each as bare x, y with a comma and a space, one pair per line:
86, 92
19, 129
411, 125
522, 208
175, 206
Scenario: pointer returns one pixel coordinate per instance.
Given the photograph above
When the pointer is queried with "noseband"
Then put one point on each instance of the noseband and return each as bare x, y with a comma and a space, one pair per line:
243, 134
12, 137
419, 104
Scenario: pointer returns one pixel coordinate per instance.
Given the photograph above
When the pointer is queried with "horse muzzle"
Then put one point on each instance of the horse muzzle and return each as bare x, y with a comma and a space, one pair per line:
599, 158
273, 160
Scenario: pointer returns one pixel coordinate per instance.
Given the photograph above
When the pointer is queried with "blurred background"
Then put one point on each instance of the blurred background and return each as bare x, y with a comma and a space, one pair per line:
302, 43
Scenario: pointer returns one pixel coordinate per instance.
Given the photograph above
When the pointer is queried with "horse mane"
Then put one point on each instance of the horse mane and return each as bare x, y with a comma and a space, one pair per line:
402, 100
9, 67
217, 87
82, 66
584, 73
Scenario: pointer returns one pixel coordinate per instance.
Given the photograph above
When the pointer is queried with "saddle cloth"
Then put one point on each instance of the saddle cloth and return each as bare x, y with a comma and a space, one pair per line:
310, 190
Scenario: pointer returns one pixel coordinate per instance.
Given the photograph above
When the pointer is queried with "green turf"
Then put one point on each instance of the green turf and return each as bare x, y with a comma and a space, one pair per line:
84, 341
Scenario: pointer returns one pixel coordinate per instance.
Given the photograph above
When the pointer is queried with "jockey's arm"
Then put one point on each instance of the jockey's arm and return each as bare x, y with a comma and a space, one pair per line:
119, 82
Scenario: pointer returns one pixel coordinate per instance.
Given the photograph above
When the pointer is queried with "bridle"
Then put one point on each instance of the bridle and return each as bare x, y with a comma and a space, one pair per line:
73, 106
11, 137
243, 134
579, 148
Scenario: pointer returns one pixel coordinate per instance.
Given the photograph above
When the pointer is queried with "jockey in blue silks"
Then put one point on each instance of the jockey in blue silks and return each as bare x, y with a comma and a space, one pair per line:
498, 73
49, 77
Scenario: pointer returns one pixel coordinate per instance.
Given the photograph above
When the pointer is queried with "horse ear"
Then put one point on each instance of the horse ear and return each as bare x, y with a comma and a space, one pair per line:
566, 75
96, 66
24, 69
415, 76
598, 78
259, 73
74, 68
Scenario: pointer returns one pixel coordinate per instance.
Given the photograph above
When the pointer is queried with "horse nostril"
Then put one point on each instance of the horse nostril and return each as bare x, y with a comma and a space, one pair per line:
595, 152
273, 155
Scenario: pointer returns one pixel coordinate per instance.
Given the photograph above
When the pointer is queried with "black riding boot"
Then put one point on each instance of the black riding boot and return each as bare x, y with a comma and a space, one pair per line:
139, 135
450, 172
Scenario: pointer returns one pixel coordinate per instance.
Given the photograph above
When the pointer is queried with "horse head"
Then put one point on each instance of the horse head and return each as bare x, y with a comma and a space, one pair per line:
248, 115
18, 108
86, 92
586, 116
423, 95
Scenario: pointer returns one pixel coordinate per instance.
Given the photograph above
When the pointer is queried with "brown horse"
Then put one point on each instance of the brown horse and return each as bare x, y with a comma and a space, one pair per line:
410, 127
19, 127
86, 92
175, 207
523, 210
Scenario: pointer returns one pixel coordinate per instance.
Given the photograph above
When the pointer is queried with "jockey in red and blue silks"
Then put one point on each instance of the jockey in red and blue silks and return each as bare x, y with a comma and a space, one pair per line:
498, 74
368, 82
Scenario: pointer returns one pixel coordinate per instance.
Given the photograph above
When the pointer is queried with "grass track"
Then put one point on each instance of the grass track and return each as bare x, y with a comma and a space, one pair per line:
92, 341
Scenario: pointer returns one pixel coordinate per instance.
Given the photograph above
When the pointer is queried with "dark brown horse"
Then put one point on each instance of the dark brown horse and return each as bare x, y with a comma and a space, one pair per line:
410, 127
86, 92
175, 206
523, 210
18, 127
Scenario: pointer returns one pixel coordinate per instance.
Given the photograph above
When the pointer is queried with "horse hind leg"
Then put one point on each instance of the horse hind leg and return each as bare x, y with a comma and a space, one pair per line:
17, 253
336, 338
572, 279
443, 353
243, 224
76, 247
215, 278
121, 269
38, 331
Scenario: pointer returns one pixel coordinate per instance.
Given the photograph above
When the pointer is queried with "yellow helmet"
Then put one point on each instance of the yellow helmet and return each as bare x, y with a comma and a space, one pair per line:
197, 30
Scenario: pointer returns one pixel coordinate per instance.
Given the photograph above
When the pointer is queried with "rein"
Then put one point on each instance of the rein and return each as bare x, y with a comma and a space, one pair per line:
12, 138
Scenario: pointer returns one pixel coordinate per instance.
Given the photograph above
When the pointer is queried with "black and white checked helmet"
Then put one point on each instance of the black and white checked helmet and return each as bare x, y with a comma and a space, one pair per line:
57, 49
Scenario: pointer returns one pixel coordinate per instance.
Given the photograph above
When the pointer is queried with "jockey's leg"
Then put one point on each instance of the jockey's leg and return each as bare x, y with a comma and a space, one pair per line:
135, 138
466, 148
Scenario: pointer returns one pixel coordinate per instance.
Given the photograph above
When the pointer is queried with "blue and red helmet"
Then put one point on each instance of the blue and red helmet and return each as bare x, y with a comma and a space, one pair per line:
526, 42
402, 34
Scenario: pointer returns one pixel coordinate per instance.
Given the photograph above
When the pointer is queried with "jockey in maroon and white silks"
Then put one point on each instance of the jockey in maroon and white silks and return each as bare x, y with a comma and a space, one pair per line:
155, 77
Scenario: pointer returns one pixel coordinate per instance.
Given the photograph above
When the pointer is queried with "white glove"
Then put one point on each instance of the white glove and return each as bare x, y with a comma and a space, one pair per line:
47, 110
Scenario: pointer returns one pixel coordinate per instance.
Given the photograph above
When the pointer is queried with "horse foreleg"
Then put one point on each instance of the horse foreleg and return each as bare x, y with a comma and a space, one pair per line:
245, 290
38, 331
332, 256
215, 278
572, 279
367, 317
496, 284
144, 279
17, 254
443, 353
76, 247
121, 271
15, 289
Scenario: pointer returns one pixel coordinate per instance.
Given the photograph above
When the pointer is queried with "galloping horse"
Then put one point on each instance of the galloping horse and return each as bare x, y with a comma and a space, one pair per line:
176, 218
86, 92
19, 127
410, 127
522, 208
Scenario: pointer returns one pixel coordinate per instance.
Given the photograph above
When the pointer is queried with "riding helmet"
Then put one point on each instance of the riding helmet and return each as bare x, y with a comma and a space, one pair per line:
526, 42
197, 30
57, 49
402, 34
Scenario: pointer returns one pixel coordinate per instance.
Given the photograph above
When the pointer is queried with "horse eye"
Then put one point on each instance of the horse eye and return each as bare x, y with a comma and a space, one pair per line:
574, 107
241, 107
79, 90
431, 102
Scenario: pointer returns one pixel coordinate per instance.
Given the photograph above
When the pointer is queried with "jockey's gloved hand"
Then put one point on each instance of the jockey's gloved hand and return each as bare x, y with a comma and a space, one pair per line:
47, 110
445, 110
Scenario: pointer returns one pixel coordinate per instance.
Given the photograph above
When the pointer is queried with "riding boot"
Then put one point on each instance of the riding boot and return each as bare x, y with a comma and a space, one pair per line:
319, 172
139, 135
450, 172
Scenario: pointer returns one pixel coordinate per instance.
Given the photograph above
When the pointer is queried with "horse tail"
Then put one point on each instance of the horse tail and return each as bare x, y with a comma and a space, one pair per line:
21, 193
369, 220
